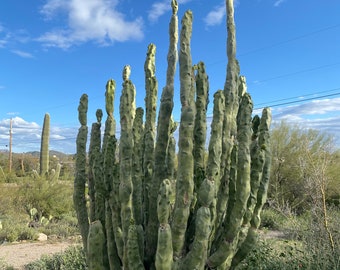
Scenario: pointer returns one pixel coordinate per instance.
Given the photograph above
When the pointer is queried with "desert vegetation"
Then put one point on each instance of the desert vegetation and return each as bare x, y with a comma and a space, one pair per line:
255, 198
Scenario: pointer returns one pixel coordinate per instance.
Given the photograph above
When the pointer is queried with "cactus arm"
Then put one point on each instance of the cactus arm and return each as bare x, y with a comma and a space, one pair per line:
164, 252
109, 178
163, 125
215, 153
262, 188
94, 152
57, 173
95, 246
264, 143
227, 247
79, 198
184, 185
200, 130
134, 259
110, 124
114, 261
44, 153
137, 177
171, 153
231, 109
127, 114
109, 135
151, 87
257, 161
197, 256
109, 97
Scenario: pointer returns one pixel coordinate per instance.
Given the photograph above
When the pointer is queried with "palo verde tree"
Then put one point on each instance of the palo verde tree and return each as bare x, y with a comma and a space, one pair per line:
143, 214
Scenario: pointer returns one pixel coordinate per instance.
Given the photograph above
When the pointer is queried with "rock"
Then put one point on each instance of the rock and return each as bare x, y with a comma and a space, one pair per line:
42, 237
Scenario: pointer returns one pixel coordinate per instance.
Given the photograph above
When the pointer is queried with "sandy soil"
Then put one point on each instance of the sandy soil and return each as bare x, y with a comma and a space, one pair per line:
20, 254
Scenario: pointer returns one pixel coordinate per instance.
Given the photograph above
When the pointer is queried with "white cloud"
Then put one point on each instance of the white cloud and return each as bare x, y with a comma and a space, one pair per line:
215, 17
278, 2
314, 107
157, 10
27, 136
23, 54
322, 115
90, 20
160, 8
4, 37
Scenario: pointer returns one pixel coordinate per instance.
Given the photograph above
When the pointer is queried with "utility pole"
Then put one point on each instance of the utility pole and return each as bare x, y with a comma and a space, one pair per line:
10, 147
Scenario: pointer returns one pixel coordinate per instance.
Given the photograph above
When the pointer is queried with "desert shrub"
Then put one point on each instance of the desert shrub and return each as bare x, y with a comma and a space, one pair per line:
14, 230
317, 241
275, 255
72, 258
272, 219
65, 227
8, 193
50, 198
11, 178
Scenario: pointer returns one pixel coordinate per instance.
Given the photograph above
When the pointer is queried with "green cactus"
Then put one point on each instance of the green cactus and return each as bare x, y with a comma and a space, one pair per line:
80, 179
185, 180
137, 174
161, 145
44, 152
202, 94
157, 211
44, 171
95, 243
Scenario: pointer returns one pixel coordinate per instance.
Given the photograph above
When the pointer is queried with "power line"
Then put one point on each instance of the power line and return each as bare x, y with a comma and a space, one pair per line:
295, 97
246, 53
291, 39
299, 101
298, 72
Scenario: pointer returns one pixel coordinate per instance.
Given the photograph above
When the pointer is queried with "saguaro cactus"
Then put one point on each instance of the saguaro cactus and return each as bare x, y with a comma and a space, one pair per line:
193, 212
44, 172
44, 152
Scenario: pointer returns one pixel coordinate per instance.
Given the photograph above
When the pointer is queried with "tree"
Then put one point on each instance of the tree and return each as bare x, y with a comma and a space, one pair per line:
299, 157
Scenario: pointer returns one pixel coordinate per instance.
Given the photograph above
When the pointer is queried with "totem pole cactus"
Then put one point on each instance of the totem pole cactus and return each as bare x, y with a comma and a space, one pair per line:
80, 179
149, 210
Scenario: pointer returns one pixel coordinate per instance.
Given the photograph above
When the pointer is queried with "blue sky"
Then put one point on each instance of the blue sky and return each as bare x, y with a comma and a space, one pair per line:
52, 51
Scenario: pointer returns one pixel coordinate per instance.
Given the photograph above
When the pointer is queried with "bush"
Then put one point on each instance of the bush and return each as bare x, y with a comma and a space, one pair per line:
50, 198
65, 227
20, 222
275, 255
5, 266
72, 258
13, 230
317, 242
272, 219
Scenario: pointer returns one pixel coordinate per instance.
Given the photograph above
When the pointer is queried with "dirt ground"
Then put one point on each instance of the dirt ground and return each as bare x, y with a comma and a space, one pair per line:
20, 254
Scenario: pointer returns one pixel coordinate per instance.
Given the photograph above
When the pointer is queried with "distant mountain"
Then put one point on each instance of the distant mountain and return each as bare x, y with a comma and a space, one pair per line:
58, 154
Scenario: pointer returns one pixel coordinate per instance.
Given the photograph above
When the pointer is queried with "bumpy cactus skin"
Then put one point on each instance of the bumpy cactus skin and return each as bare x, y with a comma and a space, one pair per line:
167, 212
161, 145
81, 177
95, 243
